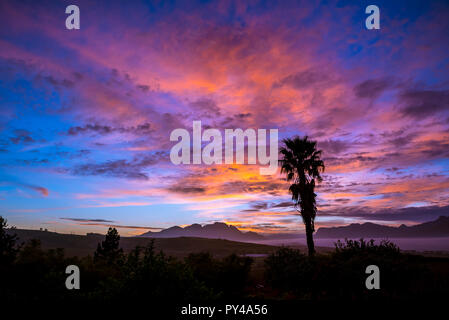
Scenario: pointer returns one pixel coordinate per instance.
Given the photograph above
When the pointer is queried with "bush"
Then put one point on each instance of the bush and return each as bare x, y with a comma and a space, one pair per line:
346, 275
37, 274
227, 277
289, 270
8, 246
341, 274
147, 275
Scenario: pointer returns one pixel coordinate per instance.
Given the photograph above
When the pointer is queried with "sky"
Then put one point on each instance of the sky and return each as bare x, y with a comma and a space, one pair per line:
86, 115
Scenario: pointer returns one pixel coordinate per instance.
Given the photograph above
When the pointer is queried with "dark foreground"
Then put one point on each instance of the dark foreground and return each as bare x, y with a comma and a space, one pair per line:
148, 276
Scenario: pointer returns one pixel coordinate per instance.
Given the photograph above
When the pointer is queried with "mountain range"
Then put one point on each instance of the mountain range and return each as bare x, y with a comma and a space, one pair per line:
217, 230
436, 228
220, 230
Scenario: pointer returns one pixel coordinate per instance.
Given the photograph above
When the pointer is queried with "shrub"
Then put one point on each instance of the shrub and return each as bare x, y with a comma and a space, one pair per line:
227, 276
289, 270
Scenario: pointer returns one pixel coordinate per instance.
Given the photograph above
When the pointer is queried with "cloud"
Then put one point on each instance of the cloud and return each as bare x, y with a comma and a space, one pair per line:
186, 189
87, 220
303, 79
256, 206
118, 226
116, 168
267, 227
21, 136
334, 146
206, 106
284, 204
130, 169
373, 88
424, 103
243, 115
264, 206
43, 191
415, 214
107, 223
141, 129
57, 83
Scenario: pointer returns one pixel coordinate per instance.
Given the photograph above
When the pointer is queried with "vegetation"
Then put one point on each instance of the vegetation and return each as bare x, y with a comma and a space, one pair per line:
228, 276
8, 250
146, 275
341, 274
302, 165
109, 250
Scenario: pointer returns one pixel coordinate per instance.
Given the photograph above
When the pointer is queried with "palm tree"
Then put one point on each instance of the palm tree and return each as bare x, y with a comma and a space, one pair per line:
302, 165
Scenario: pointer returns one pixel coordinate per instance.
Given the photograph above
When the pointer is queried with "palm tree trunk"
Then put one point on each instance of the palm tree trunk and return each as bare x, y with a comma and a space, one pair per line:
309, 235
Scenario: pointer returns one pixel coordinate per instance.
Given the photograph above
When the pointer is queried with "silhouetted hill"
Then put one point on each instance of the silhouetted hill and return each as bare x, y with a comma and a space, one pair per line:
218, 230
80, 245
437, 228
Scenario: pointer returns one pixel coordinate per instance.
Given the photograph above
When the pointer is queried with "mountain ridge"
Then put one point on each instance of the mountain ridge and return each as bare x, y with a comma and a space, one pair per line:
220, 230
435, 228
217, 230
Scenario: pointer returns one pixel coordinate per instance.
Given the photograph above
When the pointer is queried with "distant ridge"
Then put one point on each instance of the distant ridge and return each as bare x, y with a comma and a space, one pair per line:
436, 228
217, 230
84, 245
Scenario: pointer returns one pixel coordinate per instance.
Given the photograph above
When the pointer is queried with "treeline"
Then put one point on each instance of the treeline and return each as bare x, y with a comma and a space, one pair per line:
30, 273
342, 274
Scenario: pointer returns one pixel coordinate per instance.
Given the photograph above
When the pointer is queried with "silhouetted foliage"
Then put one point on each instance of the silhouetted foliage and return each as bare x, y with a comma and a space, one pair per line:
204, 267
149, 277
227, 276
8, 247
351, 247
234, 273
109, 250
301, 162
35, 274
288, 269
341, 274
146, 274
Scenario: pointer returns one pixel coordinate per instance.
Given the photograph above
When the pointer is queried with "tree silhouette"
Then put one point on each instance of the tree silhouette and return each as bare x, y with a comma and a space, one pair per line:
8, 248
109, 250
302, 165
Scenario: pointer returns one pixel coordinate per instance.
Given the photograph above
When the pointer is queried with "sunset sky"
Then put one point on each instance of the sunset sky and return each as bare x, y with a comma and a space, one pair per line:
86, 115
